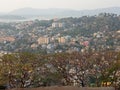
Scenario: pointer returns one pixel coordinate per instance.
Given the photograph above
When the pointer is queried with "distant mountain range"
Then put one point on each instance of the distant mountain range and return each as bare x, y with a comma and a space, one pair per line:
27, 13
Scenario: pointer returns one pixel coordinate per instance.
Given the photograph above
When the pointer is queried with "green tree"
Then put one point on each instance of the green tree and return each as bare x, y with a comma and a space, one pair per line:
19, 69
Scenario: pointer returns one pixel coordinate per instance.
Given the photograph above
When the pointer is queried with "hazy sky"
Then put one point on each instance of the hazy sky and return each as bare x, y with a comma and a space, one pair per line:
9, 5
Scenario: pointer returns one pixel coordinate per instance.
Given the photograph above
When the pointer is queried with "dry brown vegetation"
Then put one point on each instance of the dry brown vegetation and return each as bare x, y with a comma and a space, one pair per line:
67, 88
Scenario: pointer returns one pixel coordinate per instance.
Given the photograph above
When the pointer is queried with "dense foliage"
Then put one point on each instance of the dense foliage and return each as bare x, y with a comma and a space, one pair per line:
75, 69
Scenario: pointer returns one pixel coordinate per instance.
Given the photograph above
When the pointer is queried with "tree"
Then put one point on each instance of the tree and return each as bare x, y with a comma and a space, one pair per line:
112, 73
19, 70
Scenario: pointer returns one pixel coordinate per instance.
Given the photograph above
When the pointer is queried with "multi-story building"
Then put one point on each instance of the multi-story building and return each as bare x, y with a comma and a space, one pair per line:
9, 39
57, 24
43, 40
61, 40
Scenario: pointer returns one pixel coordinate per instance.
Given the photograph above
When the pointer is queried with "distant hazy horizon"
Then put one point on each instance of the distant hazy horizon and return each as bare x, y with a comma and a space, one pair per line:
10, 5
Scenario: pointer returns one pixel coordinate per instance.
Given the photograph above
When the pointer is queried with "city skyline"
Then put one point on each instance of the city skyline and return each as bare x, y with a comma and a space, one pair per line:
10, 5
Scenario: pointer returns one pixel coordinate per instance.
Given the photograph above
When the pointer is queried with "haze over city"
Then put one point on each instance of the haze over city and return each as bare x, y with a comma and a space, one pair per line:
59, 44
10, 5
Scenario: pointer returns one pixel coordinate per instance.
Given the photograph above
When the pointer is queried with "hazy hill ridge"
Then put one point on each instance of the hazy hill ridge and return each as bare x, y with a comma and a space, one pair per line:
55, 12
